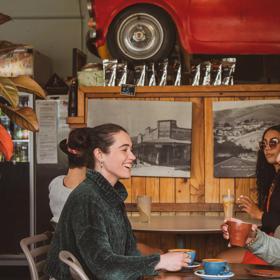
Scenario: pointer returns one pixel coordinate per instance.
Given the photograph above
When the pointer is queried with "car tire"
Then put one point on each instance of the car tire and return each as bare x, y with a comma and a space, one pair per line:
141, 33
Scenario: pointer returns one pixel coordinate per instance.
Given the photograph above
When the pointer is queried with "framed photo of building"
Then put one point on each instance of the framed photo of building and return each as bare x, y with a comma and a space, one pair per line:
238, 128
160, 133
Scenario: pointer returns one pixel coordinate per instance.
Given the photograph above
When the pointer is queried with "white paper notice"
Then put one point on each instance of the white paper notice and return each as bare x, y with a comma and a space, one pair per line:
47, 136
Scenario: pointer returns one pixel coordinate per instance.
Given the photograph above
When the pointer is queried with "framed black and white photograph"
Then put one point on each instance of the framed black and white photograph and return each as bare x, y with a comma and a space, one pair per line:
238, 128
160, 133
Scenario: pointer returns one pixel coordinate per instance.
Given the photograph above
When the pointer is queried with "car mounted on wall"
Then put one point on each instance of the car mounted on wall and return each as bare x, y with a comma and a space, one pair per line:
147, 29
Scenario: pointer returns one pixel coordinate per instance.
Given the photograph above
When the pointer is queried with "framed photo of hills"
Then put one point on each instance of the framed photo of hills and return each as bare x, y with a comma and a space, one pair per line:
238, 127
160, 132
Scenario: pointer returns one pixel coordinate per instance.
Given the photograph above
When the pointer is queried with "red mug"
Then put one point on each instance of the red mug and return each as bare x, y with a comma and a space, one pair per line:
238, 232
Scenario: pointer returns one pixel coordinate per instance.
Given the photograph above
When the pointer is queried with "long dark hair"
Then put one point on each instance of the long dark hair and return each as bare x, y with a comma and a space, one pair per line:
101, 136
265, 173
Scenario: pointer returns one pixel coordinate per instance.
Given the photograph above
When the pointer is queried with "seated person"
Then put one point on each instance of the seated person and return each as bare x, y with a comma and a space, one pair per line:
76, 148
262, 245
268, 187
93, 224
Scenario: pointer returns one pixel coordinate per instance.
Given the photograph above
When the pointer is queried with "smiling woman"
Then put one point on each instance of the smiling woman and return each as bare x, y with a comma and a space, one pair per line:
93, 224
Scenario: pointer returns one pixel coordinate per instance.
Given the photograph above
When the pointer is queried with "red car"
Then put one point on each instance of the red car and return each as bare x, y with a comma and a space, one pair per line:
147, 29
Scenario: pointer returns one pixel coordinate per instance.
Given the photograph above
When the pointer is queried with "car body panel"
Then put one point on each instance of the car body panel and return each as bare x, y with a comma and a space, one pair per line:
209, 26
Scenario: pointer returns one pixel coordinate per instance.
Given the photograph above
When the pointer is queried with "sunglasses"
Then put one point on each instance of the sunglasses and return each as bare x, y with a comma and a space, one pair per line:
273, 142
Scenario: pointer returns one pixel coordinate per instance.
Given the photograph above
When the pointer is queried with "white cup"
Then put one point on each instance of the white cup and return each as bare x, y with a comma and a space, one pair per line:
228, 202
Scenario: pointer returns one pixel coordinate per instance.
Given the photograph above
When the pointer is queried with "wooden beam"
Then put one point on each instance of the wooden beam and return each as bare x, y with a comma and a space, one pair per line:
180, 207
256, 90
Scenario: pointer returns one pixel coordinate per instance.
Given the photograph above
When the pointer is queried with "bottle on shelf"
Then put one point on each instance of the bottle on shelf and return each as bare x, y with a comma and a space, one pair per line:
19, 133
24, 153
16, 157
73, 98
25, 134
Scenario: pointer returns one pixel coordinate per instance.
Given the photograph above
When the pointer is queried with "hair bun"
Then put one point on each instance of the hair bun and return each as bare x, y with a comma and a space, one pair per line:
63, 146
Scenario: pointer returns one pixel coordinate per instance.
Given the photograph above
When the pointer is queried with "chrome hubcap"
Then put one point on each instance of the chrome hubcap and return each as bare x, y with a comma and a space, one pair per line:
140, 36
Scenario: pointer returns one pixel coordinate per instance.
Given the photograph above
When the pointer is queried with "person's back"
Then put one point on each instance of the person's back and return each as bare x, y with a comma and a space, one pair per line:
76, 148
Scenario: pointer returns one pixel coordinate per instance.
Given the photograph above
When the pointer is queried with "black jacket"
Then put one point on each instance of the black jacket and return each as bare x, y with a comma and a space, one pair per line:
271, 219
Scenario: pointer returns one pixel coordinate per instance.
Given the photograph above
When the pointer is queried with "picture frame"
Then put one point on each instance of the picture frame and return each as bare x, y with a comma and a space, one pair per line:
160, 133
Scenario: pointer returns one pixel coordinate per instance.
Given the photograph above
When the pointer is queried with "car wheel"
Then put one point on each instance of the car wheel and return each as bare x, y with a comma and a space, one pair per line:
141, 33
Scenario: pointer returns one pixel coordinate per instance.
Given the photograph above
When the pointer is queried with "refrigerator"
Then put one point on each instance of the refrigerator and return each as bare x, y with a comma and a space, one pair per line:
17, 210
24, 181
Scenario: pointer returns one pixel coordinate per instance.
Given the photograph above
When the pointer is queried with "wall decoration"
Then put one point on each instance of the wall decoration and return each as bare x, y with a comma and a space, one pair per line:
160, 132
238, 128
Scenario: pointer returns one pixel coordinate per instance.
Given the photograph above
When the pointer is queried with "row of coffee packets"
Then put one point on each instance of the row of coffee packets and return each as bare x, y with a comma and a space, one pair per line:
166, 72
144, 74
215, 72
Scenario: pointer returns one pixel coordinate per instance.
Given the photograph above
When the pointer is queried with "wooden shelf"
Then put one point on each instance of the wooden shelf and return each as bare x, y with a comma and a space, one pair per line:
240, 91
187, 91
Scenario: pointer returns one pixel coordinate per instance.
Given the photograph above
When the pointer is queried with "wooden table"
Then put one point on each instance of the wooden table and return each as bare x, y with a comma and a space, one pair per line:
240, 271
181, 225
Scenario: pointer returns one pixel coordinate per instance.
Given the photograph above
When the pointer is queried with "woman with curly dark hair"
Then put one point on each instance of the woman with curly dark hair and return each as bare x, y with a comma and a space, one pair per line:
267, 209
268, 182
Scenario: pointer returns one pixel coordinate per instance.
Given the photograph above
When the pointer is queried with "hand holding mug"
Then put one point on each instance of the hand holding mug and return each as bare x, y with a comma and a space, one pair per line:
226, 232
247, 204
173, 261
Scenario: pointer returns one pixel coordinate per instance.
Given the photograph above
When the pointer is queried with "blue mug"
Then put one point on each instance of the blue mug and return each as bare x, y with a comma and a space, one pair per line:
190, 252
215, 267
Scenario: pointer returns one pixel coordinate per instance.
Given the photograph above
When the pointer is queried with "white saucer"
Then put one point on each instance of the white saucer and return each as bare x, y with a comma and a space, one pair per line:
193, 265
201, 274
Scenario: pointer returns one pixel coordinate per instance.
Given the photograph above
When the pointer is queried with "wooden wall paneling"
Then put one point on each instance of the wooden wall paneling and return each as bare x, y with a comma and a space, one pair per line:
167, 241
167, 185
81, 104
197, 157
151, 239
212, 184
226, 184
152, 183
215, 243
167, 194
198, 242
152, 188
138, 187
182, 185
167, 191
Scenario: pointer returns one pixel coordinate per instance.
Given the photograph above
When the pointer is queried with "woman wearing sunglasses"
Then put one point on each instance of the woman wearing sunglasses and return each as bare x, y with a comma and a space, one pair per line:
267, 210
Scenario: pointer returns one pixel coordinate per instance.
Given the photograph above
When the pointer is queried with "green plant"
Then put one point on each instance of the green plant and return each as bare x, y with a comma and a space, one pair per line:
24, 117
